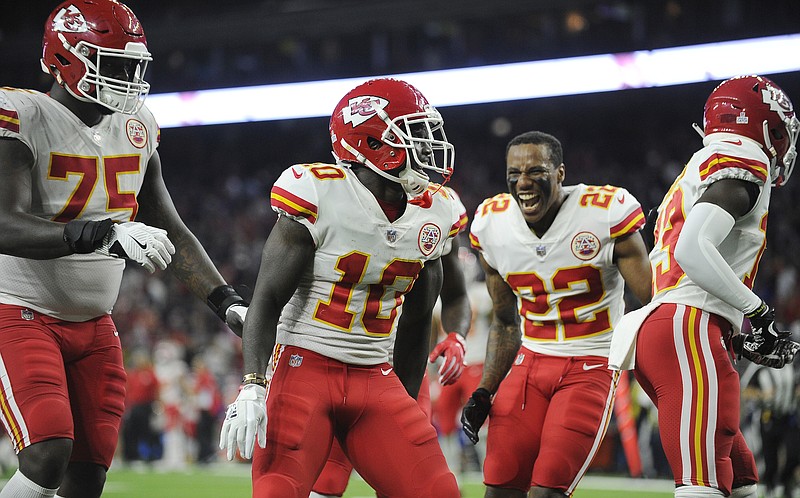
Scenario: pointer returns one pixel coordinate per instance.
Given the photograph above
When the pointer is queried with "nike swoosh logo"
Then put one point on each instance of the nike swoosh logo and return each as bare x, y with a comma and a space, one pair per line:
738, 142
621, 199
143, 246
591, 367
387, 371
296, 174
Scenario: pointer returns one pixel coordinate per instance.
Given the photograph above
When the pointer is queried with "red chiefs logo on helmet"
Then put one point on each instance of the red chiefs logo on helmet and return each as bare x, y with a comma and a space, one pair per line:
429, 236
360, 109
70, 20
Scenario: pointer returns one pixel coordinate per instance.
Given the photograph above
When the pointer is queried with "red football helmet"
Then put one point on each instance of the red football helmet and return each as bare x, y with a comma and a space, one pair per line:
387, 124
97, 50
756, 108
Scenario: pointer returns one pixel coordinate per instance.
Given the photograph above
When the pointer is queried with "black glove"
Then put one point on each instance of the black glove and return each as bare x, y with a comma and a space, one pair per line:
229, 306
475, 412
767, 345
648, 232
85, 236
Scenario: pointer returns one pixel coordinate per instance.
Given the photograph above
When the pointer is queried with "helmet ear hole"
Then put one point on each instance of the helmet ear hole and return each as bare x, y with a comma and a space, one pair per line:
374, 143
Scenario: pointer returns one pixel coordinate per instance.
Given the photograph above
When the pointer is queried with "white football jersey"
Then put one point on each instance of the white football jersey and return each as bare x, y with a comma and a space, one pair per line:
744, 245
347, 306
569, 291
79, 173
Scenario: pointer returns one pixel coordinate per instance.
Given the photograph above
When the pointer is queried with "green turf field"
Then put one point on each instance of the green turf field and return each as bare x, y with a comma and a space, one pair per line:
233, 481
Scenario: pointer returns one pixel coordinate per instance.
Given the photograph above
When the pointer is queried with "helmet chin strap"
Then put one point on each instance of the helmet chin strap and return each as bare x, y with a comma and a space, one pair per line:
414, 182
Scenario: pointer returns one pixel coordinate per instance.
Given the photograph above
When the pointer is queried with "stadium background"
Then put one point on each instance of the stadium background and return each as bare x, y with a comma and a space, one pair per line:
220, 175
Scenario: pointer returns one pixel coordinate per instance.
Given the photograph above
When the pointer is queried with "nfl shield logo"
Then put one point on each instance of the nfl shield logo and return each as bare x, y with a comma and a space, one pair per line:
391, 235
295, 360
27, 315
541, 250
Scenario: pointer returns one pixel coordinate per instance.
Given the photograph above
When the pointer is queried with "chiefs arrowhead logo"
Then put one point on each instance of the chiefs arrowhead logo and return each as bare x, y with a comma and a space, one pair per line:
777, 100
70, 20
360, 109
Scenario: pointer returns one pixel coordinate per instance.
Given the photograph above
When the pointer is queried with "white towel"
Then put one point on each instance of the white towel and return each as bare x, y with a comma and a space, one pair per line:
622, 355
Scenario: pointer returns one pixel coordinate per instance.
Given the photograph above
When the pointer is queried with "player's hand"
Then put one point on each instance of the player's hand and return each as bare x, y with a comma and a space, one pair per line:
475, 412
245, 420
146, 245
766, 345
234, 317
781, 352
453, 350
229, 306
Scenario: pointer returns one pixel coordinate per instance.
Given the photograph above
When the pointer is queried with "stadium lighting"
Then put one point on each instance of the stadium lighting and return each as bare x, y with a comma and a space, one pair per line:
495, 83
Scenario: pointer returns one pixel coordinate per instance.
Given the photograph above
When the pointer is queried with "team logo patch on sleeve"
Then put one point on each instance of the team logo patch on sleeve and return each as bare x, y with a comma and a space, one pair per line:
429, 236
585, 246
137, 133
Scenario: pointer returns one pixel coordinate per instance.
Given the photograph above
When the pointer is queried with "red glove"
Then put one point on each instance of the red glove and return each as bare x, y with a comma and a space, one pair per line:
452, 349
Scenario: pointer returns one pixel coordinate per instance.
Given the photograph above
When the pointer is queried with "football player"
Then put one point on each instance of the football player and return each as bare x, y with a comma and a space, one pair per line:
351, 268
557, 259
709, 237
82, 193
455, 316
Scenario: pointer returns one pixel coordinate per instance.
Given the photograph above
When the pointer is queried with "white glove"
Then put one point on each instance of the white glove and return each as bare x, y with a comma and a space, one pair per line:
234, 317
245, 418
146, 245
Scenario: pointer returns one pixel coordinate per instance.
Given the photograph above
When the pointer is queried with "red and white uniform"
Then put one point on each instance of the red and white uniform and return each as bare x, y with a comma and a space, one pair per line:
347, 306
334, 336
57, 340
80, 173
551, 412
335, 475
742, 248
680, 349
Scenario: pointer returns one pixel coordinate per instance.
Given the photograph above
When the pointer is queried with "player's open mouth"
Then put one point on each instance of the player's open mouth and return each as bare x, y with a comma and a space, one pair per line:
529, 202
